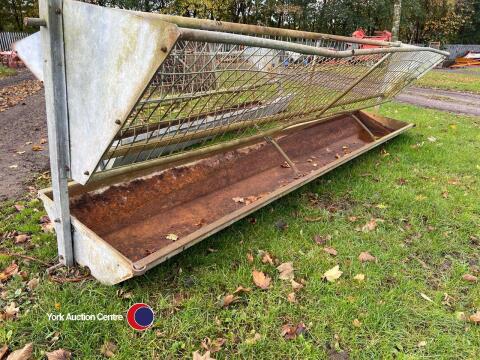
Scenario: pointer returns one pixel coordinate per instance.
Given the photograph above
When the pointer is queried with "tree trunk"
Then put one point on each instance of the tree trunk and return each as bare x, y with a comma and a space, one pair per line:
397, 13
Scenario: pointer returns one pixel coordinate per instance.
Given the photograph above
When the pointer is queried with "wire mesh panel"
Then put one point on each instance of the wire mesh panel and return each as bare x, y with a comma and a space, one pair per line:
211, 93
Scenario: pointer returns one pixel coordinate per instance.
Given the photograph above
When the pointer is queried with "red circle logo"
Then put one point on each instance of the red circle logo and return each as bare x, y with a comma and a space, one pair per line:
140, 316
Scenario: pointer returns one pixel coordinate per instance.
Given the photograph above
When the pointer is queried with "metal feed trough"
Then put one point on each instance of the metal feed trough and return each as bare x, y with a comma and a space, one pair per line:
173, 128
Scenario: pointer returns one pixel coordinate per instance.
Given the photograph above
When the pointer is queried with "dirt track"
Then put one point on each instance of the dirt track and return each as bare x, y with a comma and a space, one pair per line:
22, 127
453, 101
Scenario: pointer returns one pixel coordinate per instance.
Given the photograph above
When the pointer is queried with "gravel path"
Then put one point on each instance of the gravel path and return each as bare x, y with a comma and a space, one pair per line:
453, 101
22, 127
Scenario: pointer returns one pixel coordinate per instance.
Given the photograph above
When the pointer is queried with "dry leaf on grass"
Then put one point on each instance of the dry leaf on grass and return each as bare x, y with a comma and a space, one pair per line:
198, 356
365, 256
470, 278
261, 280
8, 272
359, 277
424, 296
20, 239
330, 251
3, 351
267, 258
291, 298
422, 343
475, 318
370, 226
24, 353
60, 354
241, 290
296, 285
227, 300
212, 346
290, 332
257, 337
286, 271
250, 257
356, 323
332, 274
108, 349
321, 240
11, 311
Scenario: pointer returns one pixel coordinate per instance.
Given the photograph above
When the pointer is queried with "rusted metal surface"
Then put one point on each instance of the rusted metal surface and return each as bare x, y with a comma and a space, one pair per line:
195, 201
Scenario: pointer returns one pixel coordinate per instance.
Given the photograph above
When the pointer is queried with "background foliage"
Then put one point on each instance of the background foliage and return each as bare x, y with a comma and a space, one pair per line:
454, 21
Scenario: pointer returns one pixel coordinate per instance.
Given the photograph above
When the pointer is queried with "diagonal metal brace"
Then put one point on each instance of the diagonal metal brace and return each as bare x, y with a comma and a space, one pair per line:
364, 127
284, 154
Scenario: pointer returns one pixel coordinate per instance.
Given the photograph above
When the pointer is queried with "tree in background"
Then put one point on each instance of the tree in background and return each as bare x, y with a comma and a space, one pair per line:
421, 21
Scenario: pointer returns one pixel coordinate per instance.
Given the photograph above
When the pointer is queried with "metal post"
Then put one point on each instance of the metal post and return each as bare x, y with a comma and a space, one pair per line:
57, 121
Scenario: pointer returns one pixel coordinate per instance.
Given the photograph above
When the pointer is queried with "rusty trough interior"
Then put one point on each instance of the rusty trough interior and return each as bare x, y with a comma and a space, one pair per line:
135, 217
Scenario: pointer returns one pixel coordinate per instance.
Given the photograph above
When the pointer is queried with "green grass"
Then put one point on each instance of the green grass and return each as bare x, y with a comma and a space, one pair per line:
6, 71
452, 81
424, 245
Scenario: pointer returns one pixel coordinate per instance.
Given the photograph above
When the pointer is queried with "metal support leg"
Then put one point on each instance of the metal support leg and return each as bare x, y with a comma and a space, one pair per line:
284, 154
364, 127
57, 121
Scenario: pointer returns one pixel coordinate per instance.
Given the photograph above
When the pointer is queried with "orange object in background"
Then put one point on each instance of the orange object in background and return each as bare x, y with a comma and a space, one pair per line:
378, 35
471, 58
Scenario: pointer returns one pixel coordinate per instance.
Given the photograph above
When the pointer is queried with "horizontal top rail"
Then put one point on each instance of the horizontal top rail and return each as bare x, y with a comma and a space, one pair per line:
213, 25
219, 37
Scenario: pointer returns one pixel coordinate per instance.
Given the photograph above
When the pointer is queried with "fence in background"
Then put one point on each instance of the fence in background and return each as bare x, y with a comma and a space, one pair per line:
8, 38
457, 50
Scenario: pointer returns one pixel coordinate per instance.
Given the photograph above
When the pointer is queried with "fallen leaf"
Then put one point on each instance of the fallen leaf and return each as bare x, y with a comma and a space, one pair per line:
172, 237
322, 240
257, 337
108, 349
11, 311
241, 290
296, 285
239, 200
366, 257
206, 356
286, 271
333, 274
20, 239
359, 277
37, 148
330, 251
370, 226
261, 280
352, 218
470, 278
356, 323
432, 138
212, 346
3, 351
291, 298
43, 141
422, 343
227, 300
266, 258
290, 332
60, 354
250, 257
19, 207
445, 194
8, 272
475, 318
33, 283
424, 296
24, 353
460, 315
13, 166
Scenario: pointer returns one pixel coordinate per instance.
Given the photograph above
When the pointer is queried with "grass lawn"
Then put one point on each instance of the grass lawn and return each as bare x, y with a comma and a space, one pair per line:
452, 81
422, 188
6, 71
